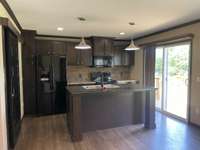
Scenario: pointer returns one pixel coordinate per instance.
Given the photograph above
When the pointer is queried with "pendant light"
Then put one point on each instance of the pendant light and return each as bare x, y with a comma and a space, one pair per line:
83, 45
132, 47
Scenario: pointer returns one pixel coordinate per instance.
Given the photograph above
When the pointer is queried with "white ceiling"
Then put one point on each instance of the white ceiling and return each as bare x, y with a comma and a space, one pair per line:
104, 17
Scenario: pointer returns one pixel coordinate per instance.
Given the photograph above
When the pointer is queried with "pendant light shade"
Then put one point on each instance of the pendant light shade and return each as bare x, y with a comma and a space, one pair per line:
83, 45
132, 47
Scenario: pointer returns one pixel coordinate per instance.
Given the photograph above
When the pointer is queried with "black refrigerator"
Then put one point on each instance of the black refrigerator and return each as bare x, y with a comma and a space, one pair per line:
51, 82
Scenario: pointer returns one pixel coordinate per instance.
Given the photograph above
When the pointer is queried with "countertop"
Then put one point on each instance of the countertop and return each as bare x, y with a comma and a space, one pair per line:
92, 83
81, 83
74, 90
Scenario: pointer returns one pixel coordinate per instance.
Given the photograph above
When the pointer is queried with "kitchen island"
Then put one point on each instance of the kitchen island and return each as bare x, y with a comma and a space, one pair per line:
119, 105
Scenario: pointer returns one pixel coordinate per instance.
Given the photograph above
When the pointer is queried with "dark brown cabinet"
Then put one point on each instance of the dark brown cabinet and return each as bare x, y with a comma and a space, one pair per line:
59, 48
72, 54
117, 58
102, 46
47, 47
86, 57
128, 58
44, 47
122, 57
29, 69
108, 47
78, 57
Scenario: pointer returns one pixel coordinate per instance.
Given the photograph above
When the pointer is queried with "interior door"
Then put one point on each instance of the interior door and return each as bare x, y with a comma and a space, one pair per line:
12, 81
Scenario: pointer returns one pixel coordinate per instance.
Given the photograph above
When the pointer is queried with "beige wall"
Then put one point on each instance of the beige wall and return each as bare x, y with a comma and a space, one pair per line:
3, 136
195, 86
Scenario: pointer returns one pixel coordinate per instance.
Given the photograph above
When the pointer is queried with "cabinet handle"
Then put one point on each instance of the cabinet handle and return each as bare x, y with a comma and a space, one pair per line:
11, 86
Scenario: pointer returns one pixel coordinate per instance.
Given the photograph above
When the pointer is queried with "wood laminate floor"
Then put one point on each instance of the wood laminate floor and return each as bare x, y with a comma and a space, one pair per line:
51, 133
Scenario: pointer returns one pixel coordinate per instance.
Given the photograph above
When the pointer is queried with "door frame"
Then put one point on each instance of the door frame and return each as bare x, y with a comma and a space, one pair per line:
164, 86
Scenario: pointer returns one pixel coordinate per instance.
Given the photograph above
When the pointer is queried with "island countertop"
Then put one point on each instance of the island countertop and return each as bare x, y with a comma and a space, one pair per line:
74, 90
96, 109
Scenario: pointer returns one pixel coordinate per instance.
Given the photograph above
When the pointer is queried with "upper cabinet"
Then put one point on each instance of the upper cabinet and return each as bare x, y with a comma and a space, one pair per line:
122, 57
102, 46
72, 54
44, 47
59, 48
47, 47
78, 57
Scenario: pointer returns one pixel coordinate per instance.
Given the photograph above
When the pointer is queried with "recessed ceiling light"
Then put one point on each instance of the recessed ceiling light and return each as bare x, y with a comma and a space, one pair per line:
131, 23
81, 19
122, 33
60, 28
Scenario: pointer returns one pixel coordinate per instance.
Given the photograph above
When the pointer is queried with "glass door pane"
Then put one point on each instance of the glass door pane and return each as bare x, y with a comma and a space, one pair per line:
177, 75
159, 76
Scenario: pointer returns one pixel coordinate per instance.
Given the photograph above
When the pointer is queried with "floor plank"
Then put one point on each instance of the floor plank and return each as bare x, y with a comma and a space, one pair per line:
51, 133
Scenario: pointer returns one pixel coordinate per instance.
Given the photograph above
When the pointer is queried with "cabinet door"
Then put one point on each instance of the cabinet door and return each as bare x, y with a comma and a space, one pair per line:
117, 58
59, 48
29, 76
127, 58
99, 46
44, 47
108, 51
86, 57
73, 55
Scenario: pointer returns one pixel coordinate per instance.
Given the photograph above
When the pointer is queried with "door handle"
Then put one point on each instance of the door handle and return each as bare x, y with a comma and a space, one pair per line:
11, 84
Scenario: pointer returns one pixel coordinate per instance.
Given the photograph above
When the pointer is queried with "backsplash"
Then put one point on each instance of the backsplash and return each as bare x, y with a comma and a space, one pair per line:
82, 73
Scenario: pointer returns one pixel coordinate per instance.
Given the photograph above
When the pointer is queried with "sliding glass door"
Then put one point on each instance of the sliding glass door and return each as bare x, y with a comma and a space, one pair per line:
172, 77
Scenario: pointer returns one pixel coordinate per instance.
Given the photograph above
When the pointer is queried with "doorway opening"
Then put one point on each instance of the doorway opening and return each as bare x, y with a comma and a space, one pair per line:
172, 74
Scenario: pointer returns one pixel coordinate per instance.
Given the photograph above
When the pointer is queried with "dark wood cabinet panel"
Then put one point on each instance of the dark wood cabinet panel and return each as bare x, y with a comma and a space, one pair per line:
73, 55
44, 47
78, 57
29, 72
59, 48
47, 47
98, 46
117, 58
108, 47
86, 57
127, 58
122, 57
102, 46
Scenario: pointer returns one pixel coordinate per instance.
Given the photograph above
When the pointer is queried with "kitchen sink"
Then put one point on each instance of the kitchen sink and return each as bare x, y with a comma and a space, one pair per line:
96, 87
